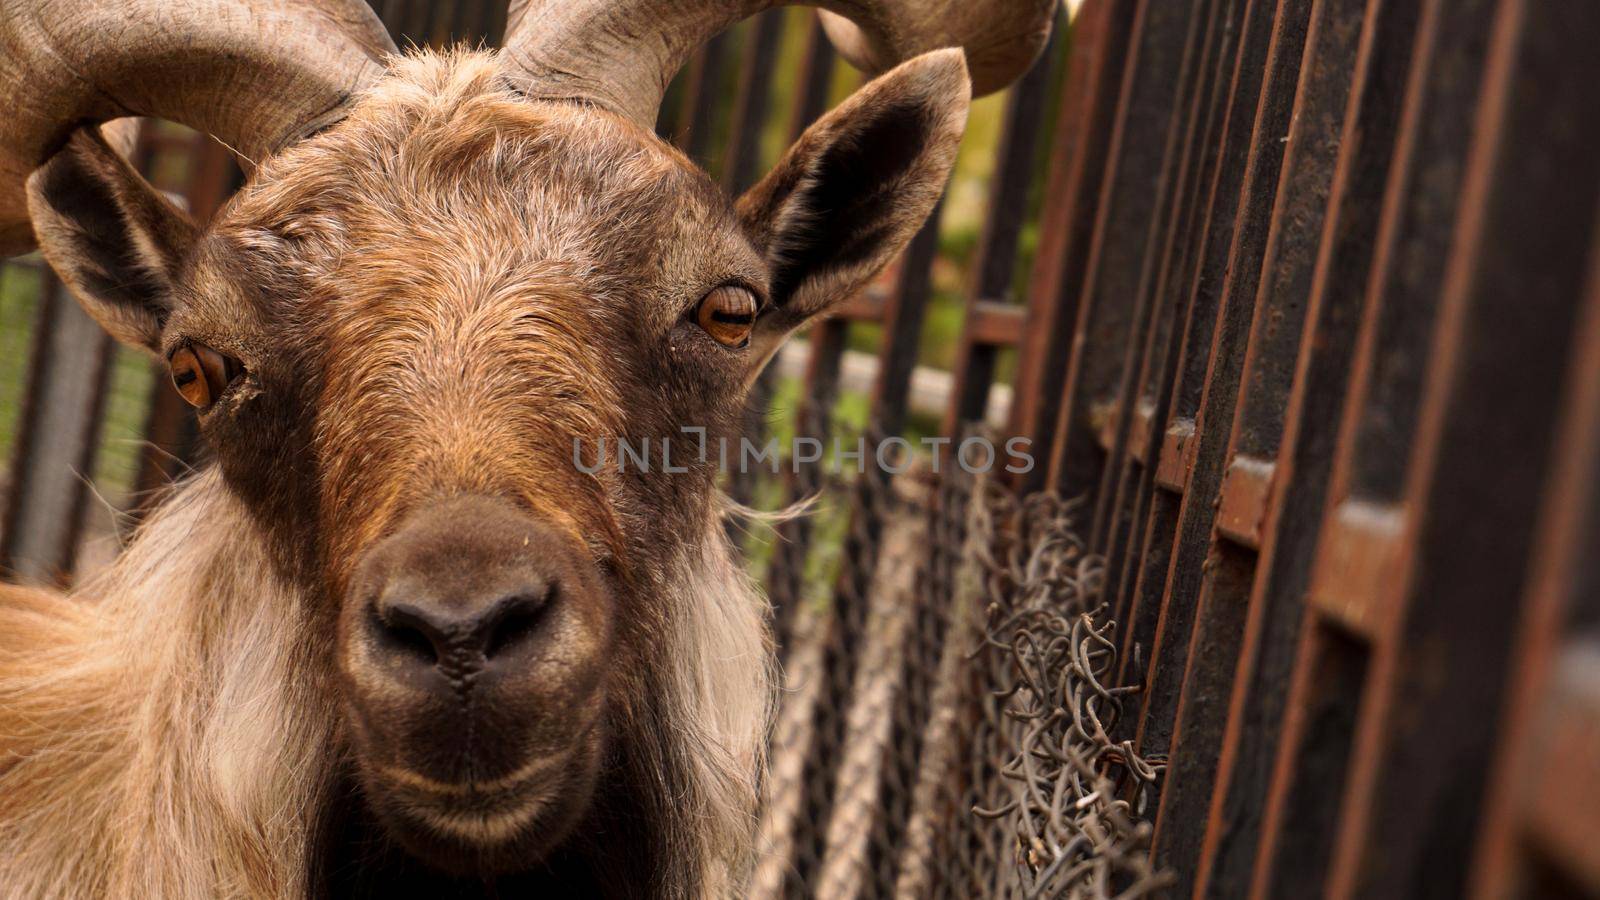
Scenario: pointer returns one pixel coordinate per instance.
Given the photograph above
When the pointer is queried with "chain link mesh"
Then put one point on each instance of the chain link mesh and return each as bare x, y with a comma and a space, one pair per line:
948, 715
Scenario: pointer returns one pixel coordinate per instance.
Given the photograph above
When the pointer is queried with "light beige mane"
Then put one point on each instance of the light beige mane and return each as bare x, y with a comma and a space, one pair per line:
726, 690
157, 738
161, 737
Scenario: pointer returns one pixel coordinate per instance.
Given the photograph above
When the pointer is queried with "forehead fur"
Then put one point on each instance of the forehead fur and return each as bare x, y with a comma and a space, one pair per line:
473, 280
442, 171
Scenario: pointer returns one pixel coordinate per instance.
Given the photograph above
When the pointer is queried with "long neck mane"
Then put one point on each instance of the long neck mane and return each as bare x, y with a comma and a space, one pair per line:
156, 738
166, 731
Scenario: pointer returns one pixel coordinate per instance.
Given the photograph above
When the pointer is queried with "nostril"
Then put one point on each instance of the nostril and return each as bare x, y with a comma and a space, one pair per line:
514, 620
440, 636
409, 633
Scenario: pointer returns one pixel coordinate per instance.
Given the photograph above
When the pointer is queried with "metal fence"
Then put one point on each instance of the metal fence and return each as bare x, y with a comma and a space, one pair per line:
1298, 304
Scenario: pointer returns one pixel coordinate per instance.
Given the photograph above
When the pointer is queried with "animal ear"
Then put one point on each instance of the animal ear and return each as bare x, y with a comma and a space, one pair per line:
114, 239
850, 194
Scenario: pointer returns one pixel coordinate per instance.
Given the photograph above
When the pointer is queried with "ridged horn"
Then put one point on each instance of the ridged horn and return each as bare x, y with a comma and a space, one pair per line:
620, 54
257, 74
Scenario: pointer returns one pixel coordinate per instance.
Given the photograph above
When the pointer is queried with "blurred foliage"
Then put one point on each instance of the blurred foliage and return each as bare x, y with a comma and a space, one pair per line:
128, 388
19, 306
116, 468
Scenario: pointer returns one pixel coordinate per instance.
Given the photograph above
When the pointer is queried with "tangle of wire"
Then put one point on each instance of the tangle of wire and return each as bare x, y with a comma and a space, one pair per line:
1068, 801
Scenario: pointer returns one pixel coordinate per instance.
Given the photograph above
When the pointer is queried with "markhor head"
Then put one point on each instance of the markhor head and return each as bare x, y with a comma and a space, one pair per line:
443, 270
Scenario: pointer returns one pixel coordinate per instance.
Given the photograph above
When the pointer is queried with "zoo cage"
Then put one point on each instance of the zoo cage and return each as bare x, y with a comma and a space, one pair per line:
1298, 304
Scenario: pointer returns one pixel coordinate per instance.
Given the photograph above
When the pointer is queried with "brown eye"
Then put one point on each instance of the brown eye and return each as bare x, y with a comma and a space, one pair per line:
729, 315
201, 374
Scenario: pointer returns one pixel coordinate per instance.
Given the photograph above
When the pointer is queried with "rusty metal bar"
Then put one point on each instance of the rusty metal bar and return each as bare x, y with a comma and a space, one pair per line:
1413, 233
993, 268
739, 172
750, 105
792, 539
1545, 796
1314, 324
1291, 491
1082, 145
696, 126
1560, 814
1109, 312
902, 326
845, 625
1164, 599
845, 622
995, 262
1272, 35
1208, 26
996, 325
1133, 474
1364, 525
55, 442
1197, 642
1309, 157
1483, 451
1119, 399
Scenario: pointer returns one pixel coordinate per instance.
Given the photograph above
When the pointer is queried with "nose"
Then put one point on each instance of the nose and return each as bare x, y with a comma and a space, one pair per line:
467, 585
456, 633
473, 638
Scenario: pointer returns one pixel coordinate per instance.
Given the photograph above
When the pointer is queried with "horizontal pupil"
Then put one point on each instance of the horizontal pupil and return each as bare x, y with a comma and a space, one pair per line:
184, 378
732, 318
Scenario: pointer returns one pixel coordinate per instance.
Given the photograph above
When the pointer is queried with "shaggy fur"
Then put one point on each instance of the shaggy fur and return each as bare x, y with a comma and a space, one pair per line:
432, 299
163, 741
